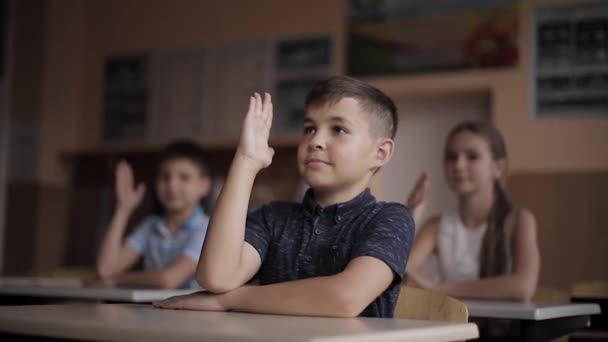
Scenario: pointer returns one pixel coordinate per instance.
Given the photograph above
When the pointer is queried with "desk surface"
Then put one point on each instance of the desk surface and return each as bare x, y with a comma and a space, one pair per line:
63, 288
528, 311
128, 322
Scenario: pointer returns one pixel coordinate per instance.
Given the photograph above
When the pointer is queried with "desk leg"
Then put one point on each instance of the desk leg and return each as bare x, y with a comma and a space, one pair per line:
551, 328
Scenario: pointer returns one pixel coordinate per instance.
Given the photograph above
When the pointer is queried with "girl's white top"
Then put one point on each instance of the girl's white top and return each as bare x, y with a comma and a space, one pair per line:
459, 248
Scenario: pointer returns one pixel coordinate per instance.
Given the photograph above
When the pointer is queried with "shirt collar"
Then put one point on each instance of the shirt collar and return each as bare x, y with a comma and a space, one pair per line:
190, 224
339, 210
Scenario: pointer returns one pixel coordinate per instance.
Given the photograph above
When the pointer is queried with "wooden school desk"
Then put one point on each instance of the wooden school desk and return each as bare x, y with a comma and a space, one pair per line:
538, 322
129, 322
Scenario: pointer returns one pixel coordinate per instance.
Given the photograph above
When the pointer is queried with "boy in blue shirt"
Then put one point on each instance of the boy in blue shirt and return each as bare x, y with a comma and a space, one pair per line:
170, 243
339, 253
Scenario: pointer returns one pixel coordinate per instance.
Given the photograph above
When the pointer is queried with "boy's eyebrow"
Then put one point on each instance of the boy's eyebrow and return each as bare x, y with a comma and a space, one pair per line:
335, 118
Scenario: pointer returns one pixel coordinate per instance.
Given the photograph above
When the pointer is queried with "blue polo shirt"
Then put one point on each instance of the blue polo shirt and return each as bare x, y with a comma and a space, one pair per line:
302, 240
159, 248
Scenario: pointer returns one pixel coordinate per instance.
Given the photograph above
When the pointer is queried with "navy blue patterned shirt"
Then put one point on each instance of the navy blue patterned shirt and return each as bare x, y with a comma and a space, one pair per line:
302, 240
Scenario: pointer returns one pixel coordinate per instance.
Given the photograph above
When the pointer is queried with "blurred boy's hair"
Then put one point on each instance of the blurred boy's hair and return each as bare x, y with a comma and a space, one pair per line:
186, 149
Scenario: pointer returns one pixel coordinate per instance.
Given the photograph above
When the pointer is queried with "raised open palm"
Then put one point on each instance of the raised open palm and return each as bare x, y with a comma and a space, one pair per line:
256, 131
127, 195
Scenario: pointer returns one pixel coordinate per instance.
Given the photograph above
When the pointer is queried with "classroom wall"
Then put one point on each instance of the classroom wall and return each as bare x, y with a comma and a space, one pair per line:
81, 34
565, 144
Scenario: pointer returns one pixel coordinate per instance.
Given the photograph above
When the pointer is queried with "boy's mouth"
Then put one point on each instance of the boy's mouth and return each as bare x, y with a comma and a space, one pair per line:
312, 162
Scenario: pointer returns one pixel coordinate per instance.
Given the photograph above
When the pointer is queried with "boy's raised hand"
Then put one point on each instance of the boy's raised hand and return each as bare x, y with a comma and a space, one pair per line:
127, 195
256, 131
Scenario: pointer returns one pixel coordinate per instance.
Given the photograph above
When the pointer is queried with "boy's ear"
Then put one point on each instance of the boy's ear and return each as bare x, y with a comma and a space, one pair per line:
205, 186
384, 152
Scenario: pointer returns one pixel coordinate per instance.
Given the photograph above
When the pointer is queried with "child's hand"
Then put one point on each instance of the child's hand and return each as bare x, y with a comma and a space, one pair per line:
418, 196
201, 300
127, 196
255, 132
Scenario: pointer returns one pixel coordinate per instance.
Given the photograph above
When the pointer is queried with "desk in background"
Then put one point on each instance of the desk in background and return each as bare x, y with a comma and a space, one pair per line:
598, 329
72, 289
129, 322
538, 322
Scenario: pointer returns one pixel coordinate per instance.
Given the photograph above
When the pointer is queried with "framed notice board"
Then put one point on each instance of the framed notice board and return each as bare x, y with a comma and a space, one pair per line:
570, 77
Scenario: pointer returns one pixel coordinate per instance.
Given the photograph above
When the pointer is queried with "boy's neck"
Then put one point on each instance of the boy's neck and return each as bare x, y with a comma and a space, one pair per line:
475, 208
326, 198
174, 220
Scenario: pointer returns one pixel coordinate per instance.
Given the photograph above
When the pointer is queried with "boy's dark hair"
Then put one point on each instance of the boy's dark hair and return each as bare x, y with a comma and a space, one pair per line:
186, 149
371, 99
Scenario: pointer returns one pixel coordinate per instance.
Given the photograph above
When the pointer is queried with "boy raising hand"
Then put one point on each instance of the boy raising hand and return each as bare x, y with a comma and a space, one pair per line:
338, 253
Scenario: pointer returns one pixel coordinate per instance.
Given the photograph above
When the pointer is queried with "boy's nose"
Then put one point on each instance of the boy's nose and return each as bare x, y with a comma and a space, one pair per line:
317, 143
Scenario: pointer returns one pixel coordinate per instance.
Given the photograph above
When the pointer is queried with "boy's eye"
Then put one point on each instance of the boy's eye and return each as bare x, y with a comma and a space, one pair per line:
309, 130
339, 130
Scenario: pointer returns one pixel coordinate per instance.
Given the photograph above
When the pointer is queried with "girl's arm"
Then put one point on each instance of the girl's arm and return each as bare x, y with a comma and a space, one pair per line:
521, 283
424, 246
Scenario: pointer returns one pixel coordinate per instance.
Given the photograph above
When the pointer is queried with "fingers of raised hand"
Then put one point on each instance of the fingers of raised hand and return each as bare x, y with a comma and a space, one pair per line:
267, 109
258, 104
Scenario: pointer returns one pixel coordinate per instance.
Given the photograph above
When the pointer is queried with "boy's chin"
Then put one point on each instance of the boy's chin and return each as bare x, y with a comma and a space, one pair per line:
176, 208
316, 183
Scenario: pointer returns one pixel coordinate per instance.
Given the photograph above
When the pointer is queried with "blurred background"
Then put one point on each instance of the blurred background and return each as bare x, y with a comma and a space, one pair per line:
86, 83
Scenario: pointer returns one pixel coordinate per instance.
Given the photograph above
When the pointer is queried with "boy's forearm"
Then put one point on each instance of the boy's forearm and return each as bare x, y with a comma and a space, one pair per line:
320, 296
223, 245
112, 243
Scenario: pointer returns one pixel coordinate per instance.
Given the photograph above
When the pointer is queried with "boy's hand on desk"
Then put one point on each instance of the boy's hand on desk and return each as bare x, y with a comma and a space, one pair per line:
201, 300
255, 132
127, 195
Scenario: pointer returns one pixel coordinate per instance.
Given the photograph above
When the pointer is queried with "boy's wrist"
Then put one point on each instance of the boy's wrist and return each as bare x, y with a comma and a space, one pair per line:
123, 211
246, 163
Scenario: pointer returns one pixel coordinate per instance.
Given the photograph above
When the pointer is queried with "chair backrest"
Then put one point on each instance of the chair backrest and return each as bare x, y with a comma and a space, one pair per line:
421, 304
552, 295
592, 289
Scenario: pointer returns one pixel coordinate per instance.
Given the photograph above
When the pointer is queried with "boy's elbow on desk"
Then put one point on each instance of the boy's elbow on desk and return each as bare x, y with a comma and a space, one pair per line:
345, 303
214, 283
348, 309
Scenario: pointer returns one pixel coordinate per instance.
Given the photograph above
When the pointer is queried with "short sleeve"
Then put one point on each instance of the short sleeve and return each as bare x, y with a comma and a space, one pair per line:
195, 242
138, 239
258, 229
389, 238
